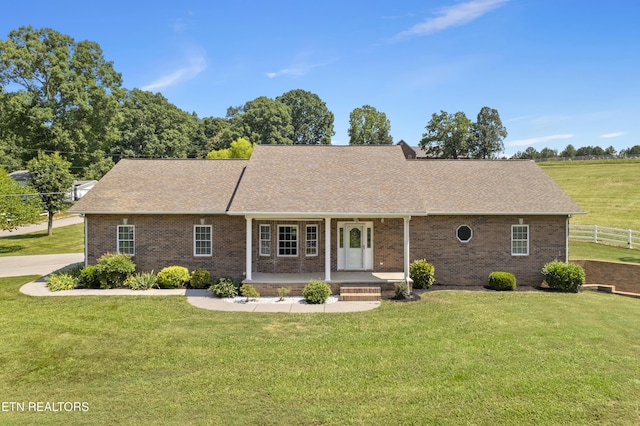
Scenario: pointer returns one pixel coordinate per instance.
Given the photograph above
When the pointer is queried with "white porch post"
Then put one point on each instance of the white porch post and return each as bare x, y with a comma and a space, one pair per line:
406, 249
327, 249
249, 251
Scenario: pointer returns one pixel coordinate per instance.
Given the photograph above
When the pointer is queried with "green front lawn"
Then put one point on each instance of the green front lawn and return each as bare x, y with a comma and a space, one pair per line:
66, 239
585, 250
481, 358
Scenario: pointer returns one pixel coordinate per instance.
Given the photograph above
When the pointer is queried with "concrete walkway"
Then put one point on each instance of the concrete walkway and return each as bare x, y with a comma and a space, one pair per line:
42, 226
205, 300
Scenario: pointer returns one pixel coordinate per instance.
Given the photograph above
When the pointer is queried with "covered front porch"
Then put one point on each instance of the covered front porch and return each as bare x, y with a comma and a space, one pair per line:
343, 249
268, 284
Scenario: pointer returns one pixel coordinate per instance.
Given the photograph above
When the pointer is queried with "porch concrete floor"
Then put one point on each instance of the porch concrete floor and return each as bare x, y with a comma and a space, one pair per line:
364, 277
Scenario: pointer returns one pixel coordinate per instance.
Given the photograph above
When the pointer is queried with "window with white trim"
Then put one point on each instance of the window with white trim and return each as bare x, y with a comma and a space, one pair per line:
202, 240
312, 240
520, 240
288, 240
127, 240
265, 240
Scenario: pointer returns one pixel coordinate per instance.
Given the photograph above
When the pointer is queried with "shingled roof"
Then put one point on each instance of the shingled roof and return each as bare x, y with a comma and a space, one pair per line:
327, 180
488, 187
164, 186
324, 179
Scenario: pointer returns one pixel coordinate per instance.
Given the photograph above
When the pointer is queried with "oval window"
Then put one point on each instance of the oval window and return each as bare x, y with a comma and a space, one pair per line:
464, 233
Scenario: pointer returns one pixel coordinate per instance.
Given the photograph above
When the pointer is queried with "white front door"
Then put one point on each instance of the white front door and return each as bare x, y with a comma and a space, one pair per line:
354, 246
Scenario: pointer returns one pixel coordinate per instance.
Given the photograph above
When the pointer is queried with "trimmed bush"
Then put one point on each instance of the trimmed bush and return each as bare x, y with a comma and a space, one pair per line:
89, 277
141, 281
567, 277
249, 291
200, 278
224, 287
113, 269
61, 281
282, 293
421, 272
502, 281
316, 292
173, 277
401, 290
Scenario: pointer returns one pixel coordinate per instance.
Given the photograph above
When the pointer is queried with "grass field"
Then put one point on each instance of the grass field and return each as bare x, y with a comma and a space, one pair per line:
66, 239
609, 190
584, 250
482, 358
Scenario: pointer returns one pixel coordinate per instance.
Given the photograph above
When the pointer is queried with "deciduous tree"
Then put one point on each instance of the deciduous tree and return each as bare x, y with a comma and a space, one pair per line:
447, 135
487, 134
263, 121
568, 152
19, 205
51, 177
65, 97
240, 148
153, 127
368, 126
311, 119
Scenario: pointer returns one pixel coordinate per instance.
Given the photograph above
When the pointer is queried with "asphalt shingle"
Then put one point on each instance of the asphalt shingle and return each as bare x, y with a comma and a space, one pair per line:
327, 180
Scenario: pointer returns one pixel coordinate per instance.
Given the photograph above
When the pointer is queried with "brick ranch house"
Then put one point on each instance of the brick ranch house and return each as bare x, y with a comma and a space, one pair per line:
344, 214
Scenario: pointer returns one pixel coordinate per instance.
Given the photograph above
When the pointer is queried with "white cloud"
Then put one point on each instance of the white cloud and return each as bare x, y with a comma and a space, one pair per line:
300, 67
452, 16
296, 71
613, 135
533, 141
196, 64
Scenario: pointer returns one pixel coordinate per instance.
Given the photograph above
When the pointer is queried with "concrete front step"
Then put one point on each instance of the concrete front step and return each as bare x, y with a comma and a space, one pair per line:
360, 294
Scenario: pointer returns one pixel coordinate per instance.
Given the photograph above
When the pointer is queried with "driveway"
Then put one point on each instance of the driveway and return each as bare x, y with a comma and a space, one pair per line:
15, 266
68, 220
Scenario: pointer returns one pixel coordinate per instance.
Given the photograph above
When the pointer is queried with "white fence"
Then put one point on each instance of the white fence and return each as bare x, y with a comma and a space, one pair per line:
599, 234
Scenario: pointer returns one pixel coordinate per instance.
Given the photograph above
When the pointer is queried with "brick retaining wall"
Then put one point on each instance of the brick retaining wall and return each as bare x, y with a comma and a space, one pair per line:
624, 276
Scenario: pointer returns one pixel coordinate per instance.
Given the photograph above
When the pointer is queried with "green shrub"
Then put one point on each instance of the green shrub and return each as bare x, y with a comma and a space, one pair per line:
113, 269
224, 287
316, 292
89, 277
173, 277
502, 281
282, 293
74, 271
562, 276
421, 272
61, 281
200, 278
141, 281
249, 291
401, 290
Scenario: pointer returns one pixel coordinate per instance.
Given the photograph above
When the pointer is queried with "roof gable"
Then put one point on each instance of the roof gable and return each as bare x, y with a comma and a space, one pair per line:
324, 179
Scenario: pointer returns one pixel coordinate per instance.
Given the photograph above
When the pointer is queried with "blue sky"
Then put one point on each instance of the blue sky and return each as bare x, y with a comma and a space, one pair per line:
558, 71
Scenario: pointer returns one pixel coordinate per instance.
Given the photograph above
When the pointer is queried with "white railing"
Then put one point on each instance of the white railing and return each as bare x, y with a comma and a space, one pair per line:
599, 234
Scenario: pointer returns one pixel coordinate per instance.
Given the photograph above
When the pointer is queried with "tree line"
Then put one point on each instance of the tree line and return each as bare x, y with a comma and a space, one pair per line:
59, 95
570, 152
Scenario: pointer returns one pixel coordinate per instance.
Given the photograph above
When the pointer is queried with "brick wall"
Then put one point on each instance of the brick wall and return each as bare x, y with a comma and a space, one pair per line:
625, 276
165, 240
434, 239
